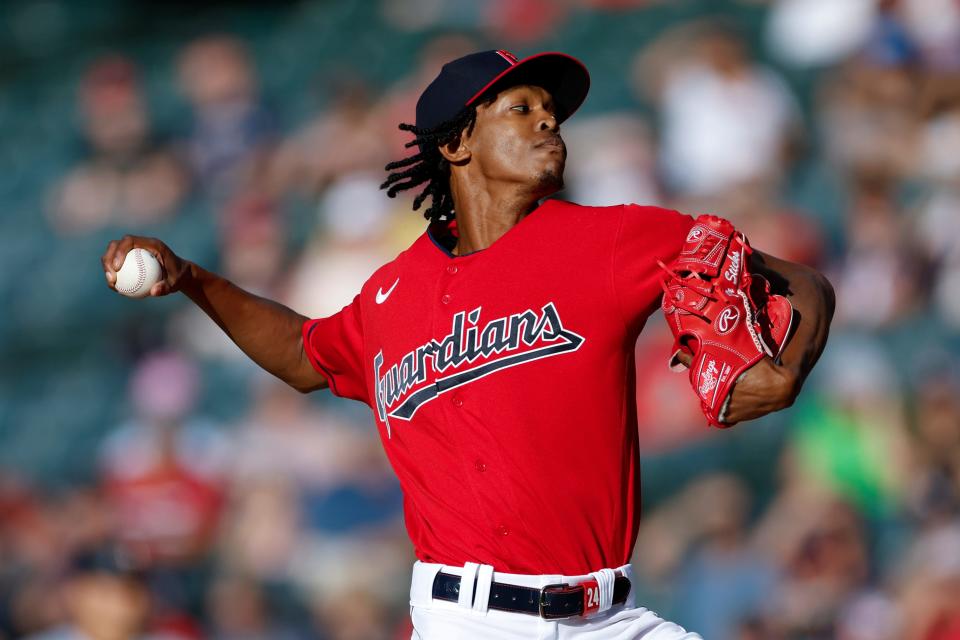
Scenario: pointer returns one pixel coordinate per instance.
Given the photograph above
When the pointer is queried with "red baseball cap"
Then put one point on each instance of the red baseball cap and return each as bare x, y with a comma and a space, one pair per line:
463, 81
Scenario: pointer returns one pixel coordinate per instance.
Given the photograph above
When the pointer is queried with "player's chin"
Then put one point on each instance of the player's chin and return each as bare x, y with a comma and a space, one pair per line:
550, 179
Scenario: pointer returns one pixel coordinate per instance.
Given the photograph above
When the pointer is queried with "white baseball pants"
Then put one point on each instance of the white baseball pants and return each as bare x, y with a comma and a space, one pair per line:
442, 620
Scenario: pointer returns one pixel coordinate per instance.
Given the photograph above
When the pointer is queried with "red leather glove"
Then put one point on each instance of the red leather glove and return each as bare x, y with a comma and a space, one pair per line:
720, 314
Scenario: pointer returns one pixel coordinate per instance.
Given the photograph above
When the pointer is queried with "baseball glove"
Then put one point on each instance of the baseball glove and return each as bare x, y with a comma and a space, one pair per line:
720, 314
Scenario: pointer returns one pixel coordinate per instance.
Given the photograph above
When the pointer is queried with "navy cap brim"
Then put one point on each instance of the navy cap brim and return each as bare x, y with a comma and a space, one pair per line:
565, 77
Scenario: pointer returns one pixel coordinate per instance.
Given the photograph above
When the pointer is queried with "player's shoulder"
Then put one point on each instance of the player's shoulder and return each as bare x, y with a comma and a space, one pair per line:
614, 214
556, 206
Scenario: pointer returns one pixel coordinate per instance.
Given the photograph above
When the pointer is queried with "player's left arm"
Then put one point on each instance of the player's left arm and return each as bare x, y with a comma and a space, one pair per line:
769, 386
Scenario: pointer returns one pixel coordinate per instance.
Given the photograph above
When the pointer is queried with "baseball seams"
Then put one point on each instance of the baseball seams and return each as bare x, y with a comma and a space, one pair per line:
141, 274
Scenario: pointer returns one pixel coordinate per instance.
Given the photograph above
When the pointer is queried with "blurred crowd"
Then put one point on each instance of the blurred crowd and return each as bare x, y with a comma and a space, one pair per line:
828, 131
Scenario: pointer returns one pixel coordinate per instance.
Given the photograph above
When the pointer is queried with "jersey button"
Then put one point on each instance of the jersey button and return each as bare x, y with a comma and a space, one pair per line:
445, 299
480, 466
503, 530
452, 269
457, 401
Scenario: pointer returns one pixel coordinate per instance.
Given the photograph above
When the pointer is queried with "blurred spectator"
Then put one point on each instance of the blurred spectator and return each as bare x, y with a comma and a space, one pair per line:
880, 281
523, 21
239, 610
934, 479
935, 26
723, 580
282, 450
105, 598
725, 119
164, 470
850, 433
612, 160
930, 586
356, 614
868, 113
127, 177
344, 139
307, 484
231, 129
810, 33
939, 166
824, 571
252, 242
348, 248
873, 615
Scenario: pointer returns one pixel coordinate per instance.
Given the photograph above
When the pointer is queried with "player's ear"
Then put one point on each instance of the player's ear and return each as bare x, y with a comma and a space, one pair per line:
457, 151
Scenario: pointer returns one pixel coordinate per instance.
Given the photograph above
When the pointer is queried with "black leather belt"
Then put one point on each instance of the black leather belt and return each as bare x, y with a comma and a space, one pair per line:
551, 602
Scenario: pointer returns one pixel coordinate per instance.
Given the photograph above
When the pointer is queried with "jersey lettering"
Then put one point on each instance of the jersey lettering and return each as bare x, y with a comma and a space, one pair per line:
503, 342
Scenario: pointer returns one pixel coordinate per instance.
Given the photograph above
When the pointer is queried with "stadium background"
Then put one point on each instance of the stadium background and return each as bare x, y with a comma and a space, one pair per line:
136, 443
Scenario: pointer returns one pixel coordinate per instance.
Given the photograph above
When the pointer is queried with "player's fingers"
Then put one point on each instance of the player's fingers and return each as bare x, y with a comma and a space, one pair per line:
106, 261
107, 258
685, 358
161, 288
120, 251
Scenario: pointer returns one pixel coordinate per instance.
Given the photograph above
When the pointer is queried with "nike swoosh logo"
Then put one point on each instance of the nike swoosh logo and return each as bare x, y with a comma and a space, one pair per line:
381, 296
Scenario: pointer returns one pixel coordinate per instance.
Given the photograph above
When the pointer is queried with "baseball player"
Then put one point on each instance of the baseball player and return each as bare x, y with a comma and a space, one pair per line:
497, 356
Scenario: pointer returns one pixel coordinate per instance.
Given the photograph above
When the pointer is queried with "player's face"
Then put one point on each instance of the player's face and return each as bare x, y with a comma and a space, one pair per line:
517, 139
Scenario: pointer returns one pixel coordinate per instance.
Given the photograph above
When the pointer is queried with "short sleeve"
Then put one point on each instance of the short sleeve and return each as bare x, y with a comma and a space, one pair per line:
334, 346
646, 234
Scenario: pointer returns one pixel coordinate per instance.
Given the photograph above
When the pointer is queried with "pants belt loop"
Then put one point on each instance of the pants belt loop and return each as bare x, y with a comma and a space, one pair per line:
484, 581
605, 579
467, 581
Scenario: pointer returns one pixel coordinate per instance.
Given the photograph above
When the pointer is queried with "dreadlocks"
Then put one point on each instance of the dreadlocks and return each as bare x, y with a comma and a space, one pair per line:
429, 166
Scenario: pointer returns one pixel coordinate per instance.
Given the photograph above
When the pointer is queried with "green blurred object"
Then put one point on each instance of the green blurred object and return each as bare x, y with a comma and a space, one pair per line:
848, 454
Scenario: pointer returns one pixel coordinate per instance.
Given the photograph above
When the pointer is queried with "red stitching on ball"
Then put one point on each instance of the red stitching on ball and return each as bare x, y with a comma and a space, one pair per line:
141, 273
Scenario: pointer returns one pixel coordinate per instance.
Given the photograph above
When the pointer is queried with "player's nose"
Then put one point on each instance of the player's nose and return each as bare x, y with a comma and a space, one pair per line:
548, 122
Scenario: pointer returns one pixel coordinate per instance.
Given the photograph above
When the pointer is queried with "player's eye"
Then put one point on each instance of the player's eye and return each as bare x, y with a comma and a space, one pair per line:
522, 108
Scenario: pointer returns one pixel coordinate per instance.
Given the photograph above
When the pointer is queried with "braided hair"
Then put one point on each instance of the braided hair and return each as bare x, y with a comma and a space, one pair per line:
429, 166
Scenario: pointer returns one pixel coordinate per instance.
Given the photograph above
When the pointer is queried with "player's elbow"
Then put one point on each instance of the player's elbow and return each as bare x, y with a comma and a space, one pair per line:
827, 293
303, 376
308, 386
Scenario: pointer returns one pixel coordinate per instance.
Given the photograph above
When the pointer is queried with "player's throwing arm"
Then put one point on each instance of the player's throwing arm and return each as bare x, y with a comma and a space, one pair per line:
268, 332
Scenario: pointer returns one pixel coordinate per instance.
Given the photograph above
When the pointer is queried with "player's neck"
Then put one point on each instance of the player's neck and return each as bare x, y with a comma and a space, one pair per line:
483, 217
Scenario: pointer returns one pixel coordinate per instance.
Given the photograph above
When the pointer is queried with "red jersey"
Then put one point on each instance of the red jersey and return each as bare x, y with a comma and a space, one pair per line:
502, 384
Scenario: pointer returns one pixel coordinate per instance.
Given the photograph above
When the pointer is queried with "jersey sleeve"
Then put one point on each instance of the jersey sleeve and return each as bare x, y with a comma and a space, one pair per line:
646, 234
334, 346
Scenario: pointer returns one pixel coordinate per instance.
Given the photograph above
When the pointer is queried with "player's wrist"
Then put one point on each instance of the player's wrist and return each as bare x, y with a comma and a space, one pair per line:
190, 278
790, 380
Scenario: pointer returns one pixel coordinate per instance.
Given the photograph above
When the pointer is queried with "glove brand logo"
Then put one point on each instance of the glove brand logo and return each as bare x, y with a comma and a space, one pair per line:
727, 320
734, 267
695, 234
708, 379
504, 342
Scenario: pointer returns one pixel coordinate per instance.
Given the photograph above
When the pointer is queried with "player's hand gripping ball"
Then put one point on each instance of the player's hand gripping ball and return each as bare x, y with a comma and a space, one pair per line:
140, 271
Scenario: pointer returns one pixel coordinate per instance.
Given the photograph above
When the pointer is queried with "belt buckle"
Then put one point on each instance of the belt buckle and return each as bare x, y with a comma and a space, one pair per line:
563, 588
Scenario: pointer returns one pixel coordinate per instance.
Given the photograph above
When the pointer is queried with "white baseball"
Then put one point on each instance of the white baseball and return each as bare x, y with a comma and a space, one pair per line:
139, 272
